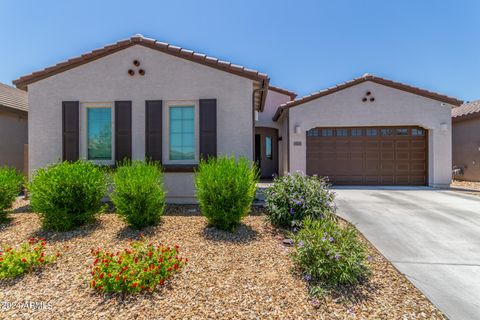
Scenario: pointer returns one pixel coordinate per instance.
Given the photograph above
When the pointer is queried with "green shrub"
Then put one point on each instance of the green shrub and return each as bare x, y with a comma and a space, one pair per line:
25, 258
10, 186
142, 267
293, 197
225, 190
67, 195
138, 193
330, 254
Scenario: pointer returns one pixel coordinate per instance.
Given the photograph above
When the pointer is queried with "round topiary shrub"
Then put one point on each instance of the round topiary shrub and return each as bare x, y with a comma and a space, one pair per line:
295, 196
10, 186
225, 190
329, 253
138, 193
67, 195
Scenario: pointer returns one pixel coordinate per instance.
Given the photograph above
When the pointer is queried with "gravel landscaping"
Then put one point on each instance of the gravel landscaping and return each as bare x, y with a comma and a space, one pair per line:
467, 185
246, 275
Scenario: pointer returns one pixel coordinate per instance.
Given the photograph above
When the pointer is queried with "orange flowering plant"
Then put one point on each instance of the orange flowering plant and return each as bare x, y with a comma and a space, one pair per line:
142, 267
24, 258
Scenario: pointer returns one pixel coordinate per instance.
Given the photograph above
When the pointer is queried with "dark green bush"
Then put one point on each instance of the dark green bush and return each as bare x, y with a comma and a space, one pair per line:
10, 186
330, 254
139, 196
67, 195
293, 197
225, 190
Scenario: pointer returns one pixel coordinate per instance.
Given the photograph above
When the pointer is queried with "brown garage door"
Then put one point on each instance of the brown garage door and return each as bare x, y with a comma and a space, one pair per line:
368, 155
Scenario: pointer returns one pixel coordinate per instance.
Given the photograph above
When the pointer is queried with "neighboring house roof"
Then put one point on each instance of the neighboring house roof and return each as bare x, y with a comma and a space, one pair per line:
367, 77
466, 111
13, 99
292, 94
201, 58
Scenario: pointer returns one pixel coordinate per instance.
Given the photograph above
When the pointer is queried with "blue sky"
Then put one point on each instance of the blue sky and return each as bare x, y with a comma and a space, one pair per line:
303, 45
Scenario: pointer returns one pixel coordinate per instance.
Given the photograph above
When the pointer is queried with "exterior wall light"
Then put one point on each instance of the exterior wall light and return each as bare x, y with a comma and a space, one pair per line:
443, 127
297, 129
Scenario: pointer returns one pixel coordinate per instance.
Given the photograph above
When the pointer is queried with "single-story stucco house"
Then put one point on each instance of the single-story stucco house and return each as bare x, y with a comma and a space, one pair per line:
466, 141
13, 127
140, 98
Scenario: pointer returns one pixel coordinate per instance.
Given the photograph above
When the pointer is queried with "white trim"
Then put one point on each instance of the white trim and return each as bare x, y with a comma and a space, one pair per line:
83, 130
166, 130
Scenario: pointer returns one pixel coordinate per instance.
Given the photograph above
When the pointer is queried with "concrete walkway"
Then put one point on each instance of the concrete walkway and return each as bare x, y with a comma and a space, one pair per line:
432, 236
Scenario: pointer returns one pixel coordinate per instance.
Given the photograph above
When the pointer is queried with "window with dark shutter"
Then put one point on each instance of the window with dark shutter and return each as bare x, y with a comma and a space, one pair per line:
208, 128
70, 130
123, 130
153, 130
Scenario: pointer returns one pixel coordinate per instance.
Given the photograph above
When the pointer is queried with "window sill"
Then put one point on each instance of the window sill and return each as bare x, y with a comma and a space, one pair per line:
179, 167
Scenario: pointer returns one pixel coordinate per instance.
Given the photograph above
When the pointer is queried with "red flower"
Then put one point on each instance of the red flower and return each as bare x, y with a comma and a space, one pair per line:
101, 275
150, 254
24, 260
40, 260
161, 282
42, 254
136, 260
117, 278
160, 260
58, 254
43, 243
93, 283
1, 259
175, 266
109, 275
169, 269
93, 273
134, 284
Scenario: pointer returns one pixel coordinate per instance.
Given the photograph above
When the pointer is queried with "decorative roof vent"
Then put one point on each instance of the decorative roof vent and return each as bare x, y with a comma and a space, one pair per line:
368, 97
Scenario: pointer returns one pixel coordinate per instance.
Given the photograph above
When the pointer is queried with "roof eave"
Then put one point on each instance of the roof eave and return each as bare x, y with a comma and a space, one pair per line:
23, 82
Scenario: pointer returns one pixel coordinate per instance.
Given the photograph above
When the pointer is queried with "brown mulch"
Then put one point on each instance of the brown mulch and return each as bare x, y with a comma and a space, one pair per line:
246, 275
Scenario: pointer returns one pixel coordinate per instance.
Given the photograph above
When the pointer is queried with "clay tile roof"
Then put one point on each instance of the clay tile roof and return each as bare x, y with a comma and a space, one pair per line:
226, 66
466, 111
13, 98
363, 78
292, 94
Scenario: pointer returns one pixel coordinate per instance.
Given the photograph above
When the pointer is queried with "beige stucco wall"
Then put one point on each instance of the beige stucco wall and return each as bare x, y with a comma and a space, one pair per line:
273, 101
391, 107
14, 134
466, 148
167, 78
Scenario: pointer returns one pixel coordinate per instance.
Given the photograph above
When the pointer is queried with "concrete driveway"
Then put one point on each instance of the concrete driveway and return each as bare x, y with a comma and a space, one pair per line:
430, 235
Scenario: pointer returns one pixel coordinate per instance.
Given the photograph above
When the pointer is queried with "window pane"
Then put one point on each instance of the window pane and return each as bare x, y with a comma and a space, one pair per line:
386, 132
357, 132
327, 132
342, 132
371, 132
402, 132
268, 147
417, 132
182, 133
99, 133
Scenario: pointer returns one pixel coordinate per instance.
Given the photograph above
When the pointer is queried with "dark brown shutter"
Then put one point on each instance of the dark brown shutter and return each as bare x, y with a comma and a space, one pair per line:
123, 130
70, 130
208, 128
153, 130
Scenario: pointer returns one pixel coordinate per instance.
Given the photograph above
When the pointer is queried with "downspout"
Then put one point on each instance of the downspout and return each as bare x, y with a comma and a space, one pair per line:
264, 88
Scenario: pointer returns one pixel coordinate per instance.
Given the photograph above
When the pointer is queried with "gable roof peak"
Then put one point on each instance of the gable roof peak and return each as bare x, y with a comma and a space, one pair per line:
23, 82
